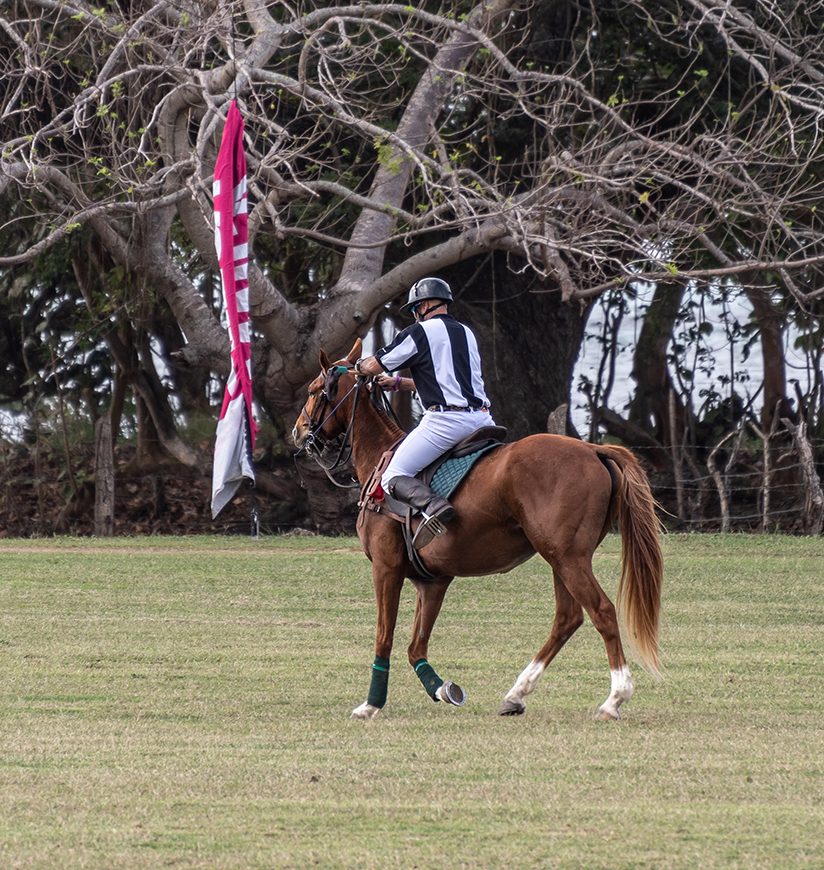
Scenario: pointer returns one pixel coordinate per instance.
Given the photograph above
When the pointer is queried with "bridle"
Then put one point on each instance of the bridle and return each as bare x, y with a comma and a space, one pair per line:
316, 441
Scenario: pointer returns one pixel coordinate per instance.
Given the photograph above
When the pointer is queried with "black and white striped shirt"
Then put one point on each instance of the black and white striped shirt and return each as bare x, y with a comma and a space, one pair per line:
442, 355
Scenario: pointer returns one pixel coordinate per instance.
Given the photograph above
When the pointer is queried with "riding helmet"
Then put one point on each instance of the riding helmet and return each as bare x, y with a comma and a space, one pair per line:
427, 288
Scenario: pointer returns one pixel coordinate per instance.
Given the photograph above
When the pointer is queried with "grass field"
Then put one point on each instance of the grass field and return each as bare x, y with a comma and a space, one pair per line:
184, 702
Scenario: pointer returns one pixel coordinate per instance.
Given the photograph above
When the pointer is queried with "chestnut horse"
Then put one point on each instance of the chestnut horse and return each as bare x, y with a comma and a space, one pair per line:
545, 494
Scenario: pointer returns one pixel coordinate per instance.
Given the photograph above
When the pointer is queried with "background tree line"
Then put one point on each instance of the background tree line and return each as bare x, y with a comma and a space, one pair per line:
537, 155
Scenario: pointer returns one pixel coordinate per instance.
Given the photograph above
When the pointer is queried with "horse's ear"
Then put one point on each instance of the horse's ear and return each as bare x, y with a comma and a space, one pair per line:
355, 353
325, 363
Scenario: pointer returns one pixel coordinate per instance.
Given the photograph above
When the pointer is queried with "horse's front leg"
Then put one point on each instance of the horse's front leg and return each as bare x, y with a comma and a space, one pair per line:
388, 581
430, 598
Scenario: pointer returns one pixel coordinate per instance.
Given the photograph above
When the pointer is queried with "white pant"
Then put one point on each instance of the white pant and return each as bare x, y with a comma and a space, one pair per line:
431, 438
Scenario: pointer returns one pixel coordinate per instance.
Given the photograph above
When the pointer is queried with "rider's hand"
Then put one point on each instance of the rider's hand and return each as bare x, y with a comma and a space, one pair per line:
387, 382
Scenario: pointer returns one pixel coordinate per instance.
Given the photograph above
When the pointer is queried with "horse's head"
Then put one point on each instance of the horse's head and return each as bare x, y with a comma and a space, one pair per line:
328, 408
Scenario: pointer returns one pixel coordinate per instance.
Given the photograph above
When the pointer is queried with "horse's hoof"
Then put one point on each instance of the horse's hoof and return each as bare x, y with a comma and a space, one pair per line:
512, 708
451, 693
365, 712
605, 714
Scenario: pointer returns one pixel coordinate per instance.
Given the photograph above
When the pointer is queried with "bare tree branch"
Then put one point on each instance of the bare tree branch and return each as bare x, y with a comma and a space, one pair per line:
386, 141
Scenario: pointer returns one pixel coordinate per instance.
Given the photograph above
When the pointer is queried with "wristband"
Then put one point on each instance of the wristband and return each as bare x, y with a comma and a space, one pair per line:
397, 384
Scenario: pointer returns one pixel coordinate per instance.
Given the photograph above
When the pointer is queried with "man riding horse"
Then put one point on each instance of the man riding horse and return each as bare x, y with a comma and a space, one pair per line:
545, 494
442, 355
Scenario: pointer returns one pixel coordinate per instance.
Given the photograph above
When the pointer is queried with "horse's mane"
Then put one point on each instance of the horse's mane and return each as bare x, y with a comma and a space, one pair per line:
379, 403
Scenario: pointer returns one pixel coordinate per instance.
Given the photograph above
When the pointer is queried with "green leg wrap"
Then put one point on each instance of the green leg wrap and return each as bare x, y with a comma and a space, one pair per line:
426, 674
380, 682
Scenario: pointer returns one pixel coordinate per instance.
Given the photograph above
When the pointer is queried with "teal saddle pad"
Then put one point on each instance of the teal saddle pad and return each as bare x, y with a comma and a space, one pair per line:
450, 473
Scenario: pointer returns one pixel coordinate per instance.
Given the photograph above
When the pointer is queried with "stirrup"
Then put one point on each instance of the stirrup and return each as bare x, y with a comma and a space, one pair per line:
434, 523
432, 526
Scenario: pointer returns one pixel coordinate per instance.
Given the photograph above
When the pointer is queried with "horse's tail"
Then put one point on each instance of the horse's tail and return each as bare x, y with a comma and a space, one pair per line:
642, 568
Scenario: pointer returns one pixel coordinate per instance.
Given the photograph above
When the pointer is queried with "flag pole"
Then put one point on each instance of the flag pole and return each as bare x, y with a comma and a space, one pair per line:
254, 515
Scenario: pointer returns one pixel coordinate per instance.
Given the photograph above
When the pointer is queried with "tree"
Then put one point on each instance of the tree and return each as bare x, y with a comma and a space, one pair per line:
588, 147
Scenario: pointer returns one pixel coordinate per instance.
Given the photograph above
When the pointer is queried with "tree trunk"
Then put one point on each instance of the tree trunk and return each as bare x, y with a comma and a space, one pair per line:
529, 341
150, 452
633, 436
103, 478
556, 422
650, 408
771, 332
813, 520
132, 355
333, 511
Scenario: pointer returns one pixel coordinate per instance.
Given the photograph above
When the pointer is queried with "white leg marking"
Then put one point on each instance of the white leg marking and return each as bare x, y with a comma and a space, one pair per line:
526, 682
365, 712
621, 690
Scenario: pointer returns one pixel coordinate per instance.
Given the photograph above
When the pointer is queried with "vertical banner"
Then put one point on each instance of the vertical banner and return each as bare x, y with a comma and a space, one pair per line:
236, 428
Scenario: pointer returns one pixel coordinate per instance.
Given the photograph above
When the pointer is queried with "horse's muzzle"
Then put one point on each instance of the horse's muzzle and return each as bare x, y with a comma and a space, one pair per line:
308, 439
299, 436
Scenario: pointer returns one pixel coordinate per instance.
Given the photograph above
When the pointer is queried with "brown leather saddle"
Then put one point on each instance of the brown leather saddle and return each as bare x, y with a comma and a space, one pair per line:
443, 476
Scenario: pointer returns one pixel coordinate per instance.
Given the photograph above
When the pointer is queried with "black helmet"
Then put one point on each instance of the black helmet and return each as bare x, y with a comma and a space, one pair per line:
427, 288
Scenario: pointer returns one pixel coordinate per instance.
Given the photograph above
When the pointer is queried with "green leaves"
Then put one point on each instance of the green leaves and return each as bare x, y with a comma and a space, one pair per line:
388, 156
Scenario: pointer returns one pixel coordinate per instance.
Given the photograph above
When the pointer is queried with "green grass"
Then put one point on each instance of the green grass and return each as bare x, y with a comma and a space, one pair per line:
185, 701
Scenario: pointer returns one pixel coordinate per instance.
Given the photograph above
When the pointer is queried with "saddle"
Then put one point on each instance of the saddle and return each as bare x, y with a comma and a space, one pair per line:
443, 476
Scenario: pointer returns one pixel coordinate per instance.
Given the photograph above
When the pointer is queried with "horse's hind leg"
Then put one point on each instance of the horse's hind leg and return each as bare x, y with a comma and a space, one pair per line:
577, 576
430, 598
569, 616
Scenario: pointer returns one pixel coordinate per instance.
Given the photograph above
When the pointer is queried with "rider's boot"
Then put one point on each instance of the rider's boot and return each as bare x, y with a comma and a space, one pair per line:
435, 509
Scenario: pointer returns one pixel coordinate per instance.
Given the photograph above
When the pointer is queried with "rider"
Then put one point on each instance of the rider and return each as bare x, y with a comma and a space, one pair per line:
442, 355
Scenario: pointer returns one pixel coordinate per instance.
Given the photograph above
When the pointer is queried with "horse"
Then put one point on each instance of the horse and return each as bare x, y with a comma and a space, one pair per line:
547, 494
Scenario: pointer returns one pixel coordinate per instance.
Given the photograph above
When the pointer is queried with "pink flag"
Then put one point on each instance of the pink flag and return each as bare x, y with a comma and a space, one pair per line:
236, 428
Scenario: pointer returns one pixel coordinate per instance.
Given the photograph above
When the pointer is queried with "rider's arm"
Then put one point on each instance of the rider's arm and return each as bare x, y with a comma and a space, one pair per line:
370, 366
406, 384
395, 383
